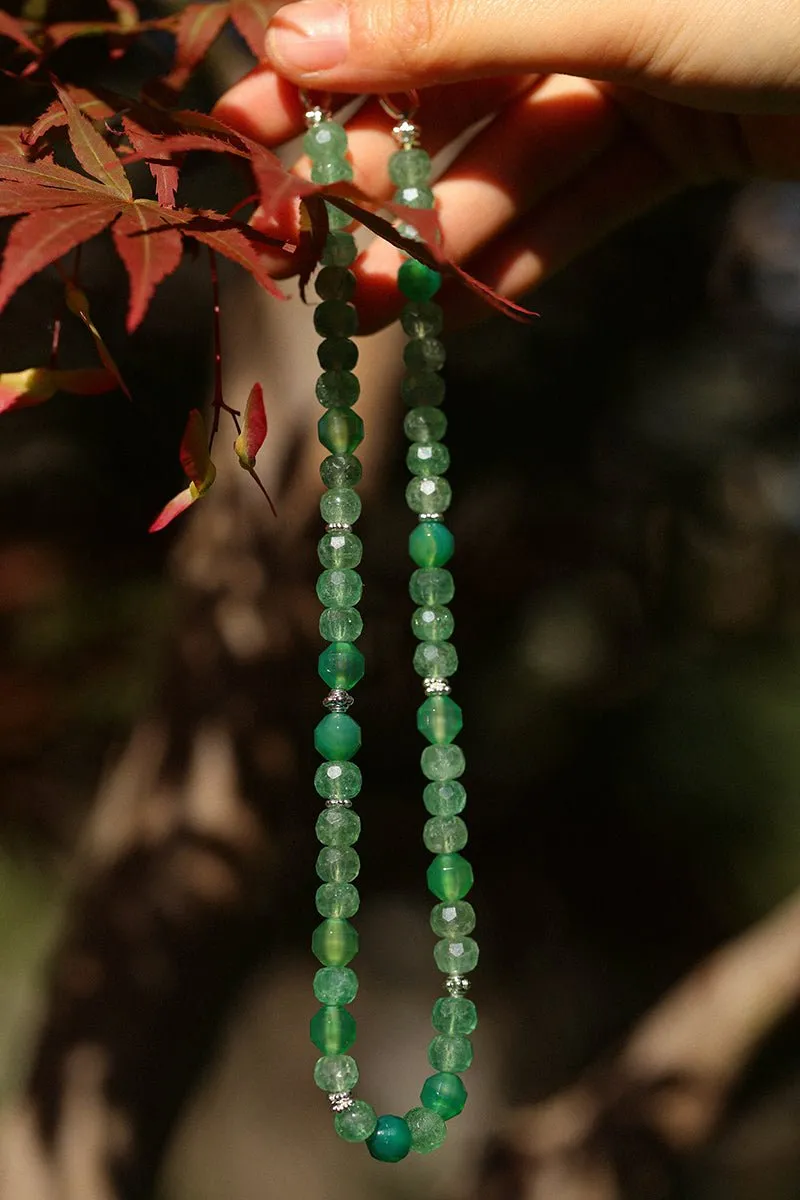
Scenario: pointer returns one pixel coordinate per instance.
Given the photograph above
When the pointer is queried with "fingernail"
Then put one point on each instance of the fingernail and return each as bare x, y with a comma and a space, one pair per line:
309, 36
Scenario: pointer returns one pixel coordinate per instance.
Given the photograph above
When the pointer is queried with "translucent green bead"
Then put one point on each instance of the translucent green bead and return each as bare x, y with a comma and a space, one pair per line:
443, 835
337, 354
450, 877
338, 781
325, 141
337, 389
336, 218
455, 958
339, 589
340, 249
453, 919
427, 458
432, 623
445, 798
339, 549
341, 826
335, 1072
424, 424
340, 506
356, 1123
391, 1139
338, 864
338, 985
422, 318
431, 544
414, 195
341, 665
418, 282
335, 283
422, 387
431, 585
435, 660
454, 1016
428, 1129
424, 354
341, 624
334, 943
337, 736
442, 762
450, 1053
335, 318
429, 495
335, 171
340, 430
445, 1094
340, 470
337, 900
440, 720
333, 1029
409, 167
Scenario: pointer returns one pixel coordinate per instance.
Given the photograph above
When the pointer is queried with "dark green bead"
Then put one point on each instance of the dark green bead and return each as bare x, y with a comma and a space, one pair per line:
429, 495
409, 166
331, 172
334, 943
337, 900
336, 218
427, 458
427, 1128
340, 430
338, 864
424, 354
445, 799
442, 762
445, 1094
431, 586
414, 195
391, 1140
341, 624
422, 387
325, 141
338, 780
340, 506
337, 389
335, 1072
432, 623
445, 835
340, 549
341, 826
340, 249
339, 985
341, 665
356, 1123
422, 318
335, 318
424, 424
339, 589
431, 544
450, 1053
450, 877
435, 660
455, 958
335, 283
439, 719
453, 919
418, 282
340, 470
454, 1016
337, 736
337, 354
333, 1029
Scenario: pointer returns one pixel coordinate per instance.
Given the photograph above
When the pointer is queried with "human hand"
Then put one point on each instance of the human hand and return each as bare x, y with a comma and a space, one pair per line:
598, 109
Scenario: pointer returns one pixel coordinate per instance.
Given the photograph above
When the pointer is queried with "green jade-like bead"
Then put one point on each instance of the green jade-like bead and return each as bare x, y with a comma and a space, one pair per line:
422, 318
391, 1140
432, 623
422, 387
341, 625
337, 389
429, 495
356, 1123
445, 835
428, 1129
339, 548
431, 544
450, 877
340, 506
444, 1093
337, 900
340, 249
454, 1016
338, 780
335, 283
335, 943
337, 354
340, 826
340, 430
339, 985
445, 798
424, 424
453, 919
418, 282
335, 318
340, 470
331, 172
337, 736
442, 762
439, 719
450, 1053
456, 958
414, 195
409, 166
325, 141
424, 353
431, 585
336, 218
333, 1029
427, 458
338, 864
336, 1073
339, 589
436, 660
341, 665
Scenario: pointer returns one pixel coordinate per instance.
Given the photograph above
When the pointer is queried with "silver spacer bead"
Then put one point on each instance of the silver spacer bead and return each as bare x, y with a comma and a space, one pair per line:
338, 700
340, 1101
406, 134
315, 116
436, 687
456, 985
338, 527
338, 803
430, 517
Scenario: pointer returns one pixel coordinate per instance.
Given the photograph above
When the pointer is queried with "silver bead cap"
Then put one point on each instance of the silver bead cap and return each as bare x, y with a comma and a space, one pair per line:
338, 700
406, 134
456, 985
340, 1101
436, 687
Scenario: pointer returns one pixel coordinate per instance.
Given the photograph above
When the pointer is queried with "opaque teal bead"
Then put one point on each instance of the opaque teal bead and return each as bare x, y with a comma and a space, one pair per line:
445, 835
456, 957
432, 623
431, 544
453, 919
440, 720
418, 282
340, 549
427, 458
422, 318
325, 141
337, 389
341, 624
341, 665
340, 470
338, 827
442, 762
334, 943
435, 660
424, 354
338, 864
427, 1128
335, 318
337, 736
335, 1072
357, 1122
337, 900
340, 430
339, 588
338, 780
409, 167
391, 1140
337, 354
424, 424
450, 877
414, 195
432, 585
450, 1053
337, 171
422, 387
454, 1016
341, 505
340, 249
445, 798
339, 985
333, 1029
444, 1093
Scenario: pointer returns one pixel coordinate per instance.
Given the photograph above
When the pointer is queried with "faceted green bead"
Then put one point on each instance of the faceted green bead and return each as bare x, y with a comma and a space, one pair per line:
336, 218
431, 585
335, 318
357, 1122
414, 195
340, 548
455, 1016
325, 141
445, 1094
338, 780
450, 1053
428, 1129
445, 798
340, 249
339, 985
338, 864
429, 495
427, 458
341, 624
340, 430
439, 719
424, 354
432, 623
337, 389
450, 877
334, 943
339, 589
341, 666
335, 1072
391, 1140
442, 762
333, 1029
331, 172
422, 318
337, 736
409, 166
335, 283
444, 835
418, 282
455, 958
431, 544
407, 230
422, 387
341, 826
337, 354
340, 506
453, 919
340, 470
424, 424
337, 900
435, 660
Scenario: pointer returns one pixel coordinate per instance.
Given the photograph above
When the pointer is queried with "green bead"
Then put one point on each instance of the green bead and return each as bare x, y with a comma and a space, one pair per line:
335, 283
340, 624
340, 430
429, 495
456, 958
337, 736
340, 826
335, 318
337, 354
339, 589
424, 424
338, 781
428, 1130
331, 172
443, 835
334, 943
450, 877
337, 389
439, 719
325, 141
391, 1139
425, 353
335, 1072
338, 864
442, 762
341, 665
340, 470
422, 387
340, 249
445, 798
337, 900
409, 166
336, 218
333, 1029
340, 506
453, 919
414, 195
431, 585
450, 1053
431, 544
445, 1094
418, 282
435, 660
340, 548
422, 318
432, 623
357, 1122
427, 458
454, 1016
339, 985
